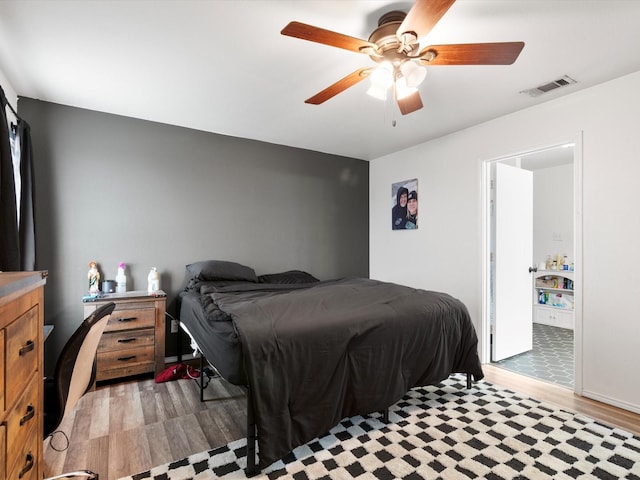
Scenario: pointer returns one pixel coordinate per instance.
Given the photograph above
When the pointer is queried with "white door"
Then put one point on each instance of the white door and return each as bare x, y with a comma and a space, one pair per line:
513, 320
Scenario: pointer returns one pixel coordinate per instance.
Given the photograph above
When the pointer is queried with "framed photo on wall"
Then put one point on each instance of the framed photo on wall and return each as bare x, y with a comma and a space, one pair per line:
404, 205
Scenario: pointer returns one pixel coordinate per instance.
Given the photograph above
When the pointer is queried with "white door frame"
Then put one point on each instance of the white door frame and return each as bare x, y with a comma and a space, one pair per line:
485, 203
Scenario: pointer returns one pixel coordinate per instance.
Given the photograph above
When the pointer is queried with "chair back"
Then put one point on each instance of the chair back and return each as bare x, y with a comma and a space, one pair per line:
75, 369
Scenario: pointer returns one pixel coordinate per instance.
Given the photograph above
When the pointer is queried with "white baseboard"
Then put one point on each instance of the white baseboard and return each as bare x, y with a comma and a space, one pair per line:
612, 401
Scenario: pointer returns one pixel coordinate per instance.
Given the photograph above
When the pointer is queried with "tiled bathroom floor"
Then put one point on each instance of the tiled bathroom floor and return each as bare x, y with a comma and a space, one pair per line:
551, 358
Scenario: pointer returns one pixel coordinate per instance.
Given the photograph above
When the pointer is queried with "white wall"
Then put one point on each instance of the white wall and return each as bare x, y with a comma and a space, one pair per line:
10, 93
552, 213
445, 252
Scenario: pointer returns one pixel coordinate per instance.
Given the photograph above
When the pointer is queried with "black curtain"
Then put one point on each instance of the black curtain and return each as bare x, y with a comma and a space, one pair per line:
17, 241
9, 244
27, 227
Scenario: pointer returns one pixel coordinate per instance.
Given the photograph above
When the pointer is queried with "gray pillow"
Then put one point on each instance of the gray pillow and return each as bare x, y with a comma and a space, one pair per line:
210, 270
292, 276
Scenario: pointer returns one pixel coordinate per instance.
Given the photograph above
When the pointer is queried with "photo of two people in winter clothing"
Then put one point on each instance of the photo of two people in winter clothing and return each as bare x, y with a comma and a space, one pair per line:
404, 201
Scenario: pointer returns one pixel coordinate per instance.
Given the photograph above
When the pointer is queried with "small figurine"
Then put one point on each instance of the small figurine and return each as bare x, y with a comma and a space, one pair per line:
94, 278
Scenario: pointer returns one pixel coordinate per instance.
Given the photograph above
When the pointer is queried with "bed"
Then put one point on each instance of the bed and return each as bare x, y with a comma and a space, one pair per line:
311, 352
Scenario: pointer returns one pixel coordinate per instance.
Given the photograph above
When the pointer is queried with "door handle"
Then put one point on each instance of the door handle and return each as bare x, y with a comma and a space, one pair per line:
533, 269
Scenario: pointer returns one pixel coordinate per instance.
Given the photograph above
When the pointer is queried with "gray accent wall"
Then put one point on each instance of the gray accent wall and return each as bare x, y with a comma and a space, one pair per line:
116, 189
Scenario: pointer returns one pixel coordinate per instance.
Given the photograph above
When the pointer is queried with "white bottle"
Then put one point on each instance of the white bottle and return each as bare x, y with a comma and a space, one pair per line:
153, 280
121, 279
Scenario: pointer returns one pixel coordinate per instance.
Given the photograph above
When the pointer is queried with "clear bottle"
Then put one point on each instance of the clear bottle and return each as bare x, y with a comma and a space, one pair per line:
121, 279
153, 280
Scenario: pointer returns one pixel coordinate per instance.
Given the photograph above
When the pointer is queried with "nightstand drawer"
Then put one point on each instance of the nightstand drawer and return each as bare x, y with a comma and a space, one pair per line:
22, 350
124, 339
125, 318
122, 363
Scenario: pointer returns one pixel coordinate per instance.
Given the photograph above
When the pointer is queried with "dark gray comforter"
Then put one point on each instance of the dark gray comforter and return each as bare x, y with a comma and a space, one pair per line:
321, 352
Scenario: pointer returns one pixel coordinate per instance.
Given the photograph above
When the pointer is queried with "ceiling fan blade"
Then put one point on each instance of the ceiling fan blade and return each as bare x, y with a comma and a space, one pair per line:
504, 53
327, 37
422, 17
410, 103
339, 87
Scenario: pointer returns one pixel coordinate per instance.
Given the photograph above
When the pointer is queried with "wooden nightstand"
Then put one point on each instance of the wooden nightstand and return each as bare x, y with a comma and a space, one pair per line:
133, 341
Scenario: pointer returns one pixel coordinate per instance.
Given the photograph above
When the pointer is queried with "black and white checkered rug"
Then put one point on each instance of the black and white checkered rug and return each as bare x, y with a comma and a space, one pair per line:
444, 432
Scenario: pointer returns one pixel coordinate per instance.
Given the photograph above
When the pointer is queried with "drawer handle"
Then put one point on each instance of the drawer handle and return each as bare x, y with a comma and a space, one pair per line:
29, 415
124, 359
127, 340
127, 319
27, 348
27, 466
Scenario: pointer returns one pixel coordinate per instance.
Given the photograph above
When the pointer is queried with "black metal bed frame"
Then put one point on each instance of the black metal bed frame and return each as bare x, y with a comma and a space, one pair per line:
252, 435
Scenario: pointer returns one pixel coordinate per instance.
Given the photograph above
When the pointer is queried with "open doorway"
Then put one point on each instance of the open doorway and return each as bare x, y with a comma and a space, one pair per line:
529, 314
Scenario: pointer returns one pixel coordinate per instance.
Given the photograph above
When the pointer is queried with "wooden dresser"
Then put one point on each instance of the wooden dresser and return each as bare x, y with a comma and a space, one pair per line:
133, 341
21, 374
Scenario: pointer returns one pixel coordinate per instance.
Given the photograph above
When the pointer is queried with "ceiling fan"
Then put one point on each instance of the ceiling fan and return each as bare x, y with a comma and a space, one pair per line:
394, 46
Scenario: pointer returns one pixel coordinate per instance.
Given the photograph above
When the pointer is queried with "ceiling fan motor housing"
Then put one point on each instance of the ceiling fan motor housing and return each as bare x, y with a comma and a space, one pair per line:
389, 47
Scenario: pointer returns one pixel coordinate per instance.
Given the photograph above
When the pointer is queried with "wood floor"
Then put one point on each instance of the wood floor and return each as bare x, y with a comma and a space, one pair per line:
128, 427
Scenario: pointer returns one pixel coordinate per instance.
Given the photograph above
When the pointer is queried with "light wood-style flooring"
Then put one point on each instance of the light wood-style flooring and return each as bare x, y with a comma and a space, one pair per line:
128, 427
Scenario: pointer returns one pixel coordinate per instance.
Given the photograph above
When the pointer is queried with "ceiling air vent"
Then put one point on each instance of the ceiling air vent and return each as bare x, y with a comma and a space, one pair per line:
548, 87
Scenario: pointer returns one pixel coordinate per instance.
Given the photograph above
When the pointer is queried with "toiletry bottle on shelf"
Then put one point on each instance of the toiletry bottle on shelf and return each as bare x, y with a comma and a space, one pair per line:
121, 279
153, 280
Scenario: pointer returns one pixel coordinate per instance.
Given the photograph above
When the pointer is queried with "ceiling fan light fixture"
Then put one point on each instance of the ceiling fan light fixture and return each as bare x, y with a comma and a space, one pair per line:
382, 75
403, 89
377, 92
413, 73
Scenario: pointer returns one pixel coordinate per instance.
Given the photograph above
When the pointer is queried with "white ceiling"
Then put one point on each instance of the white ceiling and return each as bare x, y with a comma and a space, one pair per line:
222, 65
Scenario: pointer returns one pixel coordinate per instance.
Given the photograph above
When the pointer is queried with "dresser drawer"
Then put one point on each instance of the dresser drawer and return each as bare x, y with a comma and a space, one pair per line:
26, 463
119, 340
3, 452
127, 316
125, 362
2, 377
22, 350
23, 418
